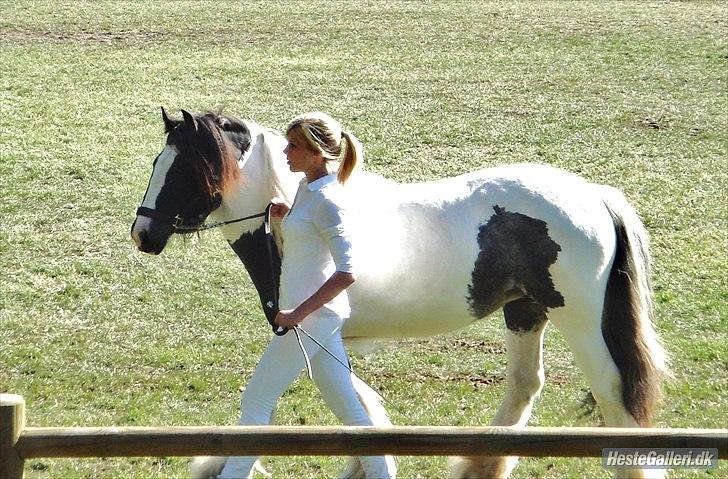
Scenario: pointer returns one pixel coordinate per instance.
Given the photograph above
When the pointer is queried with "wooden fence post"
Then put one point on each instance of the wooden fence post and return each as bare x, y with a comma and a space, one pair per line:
12, 422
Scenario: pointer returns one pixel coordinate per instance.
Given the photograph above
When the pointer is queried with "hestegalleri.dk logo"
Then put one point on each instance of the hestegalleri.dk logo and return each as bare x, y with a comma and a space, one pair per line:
660, 458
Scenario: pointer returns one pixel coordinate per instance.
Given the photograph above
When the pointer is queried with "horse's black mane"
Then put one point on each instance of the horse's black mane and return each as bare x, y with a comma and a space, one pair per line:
237, 131
208, 144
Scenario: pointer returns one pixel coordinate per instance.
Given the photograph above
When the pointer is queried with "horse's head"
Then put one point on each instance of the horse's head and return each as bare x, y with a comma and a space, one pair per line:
189, 177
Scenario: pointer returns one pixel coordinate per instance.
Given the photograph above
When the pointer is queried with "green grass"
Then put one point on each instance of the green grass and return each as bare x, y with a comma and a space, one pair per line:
94, 333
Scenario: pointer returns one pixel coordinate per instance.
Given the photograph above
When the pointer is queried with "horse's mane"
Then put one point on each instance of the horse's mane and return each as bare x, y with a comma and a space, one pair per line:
272, 142
213, 138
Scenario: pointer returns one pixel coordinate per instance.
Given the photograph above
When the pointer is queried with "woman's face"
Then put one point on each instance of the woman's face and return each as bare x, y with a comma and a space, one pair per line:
301, 158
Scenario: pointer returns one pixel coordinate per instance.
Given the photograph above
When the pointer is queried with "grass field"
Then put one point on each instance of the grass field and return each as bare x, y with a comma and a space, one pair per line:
94, 333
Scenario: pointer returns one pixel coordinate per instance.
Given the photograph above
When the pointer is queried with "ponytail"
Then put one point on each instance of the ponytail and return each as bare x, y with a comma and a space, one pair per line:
326, 136
351, 156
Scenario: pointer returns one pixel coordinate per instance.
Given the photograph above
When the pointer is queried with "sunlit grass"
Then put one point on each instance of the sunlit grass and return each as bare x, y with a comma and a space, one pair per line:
93, 333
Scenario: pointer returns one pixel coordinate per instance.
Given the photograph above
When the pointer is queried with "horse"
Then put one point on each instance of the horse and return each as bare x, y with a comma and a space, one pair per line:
540, 243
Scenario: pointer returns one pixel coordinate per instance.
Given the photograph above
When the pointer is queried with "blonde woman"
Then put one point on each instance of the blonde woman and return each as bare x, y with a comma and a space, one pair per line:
316, 271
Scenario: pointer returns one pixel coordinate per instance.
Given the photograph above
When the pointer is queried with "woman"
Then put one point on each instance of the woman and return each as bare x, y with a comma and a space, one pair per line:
317, 268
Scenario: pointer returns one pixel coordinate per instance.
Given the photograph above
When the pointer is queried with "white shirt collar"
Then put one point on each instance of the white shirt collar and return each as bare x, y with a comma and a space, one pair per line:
322, 182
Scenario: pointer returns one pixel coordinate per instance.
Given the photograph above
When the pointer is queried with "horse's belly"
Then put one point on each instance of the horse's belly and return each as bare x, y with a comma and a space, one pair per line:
432, 300
405, 322
390, 321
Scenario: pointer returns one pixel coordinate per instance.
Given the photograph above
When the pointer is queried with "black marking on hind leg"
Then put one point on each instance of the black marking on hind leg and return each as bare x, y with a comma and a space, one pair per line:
524, 315
516, 252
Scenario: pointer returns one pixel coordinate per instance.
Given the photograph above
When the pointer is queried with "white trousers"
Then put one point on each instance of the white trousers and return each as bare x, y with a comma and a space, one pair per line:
281, 363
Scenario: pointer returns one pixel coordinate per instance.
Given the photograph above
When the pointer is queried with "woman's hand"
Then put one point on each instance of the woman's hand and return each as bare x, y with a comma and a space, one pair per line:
288, 318
279, 208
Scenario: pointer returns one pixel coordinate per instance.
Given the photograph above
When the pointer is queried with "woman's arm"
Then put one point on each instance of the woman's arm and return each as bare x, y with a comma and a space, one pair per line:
337, 283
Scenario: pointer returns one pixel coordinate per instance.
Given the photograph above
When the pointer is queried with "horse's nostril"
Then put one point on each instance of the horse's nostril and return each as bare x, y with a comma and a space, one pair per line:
140, 239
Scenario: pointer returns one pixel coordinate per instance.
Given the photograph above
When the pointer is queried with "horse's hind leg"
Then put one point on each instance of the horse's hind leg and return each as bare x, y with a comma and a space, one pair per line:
526, 322
593, 358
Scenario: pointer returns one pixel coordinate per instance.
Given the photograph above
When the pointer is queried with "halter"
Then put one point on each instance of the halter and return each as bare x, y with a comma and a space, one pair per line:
179, 226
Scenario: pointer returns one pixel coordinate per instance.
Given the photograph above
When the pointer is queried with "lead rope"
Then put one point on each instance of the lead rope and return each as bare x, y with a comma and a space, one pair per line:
297, 328
303, 350
348, 367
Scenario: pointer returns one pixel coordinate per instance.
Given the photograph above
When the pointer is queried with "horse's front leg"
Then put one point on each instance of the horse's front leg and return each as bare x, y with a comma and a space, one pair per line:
525, 378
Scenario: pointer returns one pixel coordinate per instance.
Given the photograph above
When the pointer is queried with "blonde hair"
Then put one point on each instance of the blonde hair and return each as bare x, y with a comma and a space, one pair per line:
325, 135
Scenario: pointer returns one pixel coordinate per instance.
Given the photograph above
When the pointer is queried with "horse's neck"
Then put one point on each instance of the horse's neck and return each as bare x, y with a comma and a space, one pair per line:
282, 182
264, 176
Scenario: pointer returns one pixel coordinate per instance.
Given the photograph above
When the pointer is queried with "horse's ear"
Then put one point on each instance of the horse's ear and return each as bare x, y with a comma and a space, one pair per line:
169, 124
189, 120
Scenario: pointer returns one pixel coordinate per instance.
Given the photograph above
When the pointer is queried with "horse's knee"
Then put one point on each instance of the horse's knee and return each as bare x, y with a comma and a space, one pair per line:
525, 377
523, 387
495, 467
527, 383
525, 363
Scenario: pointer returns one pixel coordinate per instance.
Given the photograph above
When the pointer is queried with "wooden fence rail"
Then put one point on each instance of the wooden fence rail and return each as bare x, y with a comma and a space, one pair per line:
18, 443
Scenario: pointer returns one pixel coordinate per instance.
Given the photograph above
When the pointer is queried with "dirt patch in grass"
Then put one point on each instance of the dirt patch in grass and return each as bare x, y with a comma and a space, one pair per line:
85, 37
490, 347
484, 379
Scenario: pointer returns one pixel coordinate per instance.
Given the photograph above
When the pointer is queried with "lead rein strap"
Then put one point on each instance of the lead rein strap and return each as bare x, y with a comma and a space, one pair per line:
299, 328
305, 354
272, 303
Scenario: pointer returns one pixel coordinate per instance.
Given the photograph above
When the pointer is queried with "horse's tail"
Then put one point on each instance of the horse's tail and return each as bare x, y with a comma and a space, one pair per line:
627, 317
372, 402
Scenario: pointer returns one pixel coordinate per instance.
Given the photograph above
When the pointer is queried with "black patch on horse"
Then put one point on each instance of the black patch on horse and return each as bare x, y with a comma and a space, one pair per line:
512, 269
524, 314
264, 271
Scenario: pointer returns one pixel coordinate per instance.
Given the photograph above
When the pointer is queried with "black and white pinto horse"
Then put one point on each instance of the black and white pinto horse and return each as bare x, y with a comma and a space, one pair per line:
540, 243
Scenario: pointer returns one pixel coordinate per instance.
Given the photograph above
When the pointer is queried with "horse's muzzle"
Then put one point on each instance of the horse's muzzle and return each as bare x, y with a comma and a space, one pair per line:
150, 236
